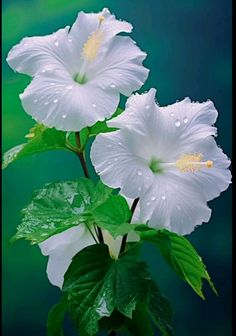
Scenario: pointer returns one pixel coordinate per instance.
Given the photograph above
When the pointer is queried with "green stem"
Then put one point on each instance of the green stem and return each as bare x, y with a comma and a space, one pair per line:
123, 243
81, 156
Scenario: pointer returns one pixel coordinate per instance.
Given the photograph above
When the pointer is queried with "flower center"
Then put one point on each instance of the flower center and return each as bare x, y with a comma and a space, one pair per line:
190, 163
155, 165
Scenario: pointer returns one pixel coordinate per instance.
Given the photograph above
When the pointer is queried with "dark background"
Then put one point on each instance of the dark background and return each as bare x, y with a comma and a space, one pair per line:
189, 54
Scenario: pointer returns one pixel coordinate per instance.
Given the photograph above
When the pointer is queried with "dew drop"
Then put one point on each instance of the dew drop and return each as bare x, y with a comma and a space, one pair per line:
46, 103
140, 173
112, 86
172, 114
52, 84
120, 75
163, 197
56, 43
55, 101
70, 39
94, 105
185, 120
35, 101
139, 188
147, 107
44, 70
119, 143
64, 116
69, 87
153, 198
177, 123
148, 203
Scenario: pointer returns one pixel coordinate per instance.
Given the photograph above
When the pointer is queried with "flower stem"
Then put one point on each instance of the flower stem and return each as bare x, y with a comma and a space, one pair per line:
81, 156
122, 248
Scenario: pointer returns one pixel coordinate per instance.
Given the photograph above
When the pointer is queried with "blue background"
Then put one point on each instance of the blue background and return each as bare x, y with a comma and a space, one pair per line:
189, 54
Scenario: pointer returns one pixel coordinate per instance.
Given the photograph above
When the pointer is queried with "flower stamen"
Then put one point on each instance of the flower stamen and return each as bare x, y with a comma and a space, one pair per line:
192, 163
92, 45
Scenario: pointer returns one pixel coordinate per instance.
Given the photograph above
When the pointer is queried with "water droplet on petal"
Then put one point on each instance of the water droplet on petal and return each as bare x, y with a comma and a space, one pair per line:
140, 173
43, 70
52, 84
119, 143
119, 74
163, 197
35, 101
177, 123
112, 86
172, 114
64, 116
139, 188
69, 87
94, 105
153, 198
148, 203
55, 101
56, 43
46, 103
147, 107
185, 120
70, 39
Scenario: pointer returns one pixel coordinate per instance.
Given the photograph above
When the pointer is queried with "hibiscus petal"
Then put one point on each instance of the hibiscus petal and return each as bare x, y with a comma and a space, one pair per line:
167, 205
210, 181
119, 67
87, 23
61, 248
55, 100
41, 53
112, 157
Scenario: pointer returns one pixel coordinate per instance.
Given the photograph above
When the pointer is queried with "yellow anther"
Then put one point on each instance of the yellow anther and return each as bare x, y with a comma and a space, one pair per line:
91, 47
209, 164
101, 18
192, 163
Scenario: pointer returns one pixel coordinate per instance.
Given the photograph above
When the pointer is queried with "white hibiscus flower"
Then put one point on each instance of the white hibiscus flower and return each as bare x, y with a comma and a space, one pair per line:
62, 247
166, 156
79, 73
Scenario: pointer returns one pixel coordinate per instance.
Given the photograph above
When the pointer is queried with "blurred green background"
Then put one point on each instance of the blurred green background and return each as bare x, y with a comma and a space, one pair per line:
189, 54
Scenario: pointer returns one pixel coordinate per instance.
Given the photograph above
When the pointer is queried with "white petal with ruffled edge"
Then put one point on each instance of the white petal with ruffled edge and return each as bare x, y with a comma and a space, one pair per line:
174, 138
79, 74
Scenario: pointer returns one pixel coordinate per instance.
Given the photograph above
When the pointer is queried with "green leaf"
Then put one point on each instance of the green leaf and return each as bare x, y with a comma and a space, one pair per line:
180, 255
102, 127
56, 317
140, 324
59, 206
98, 285
160, 311
41, 139
114, 216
